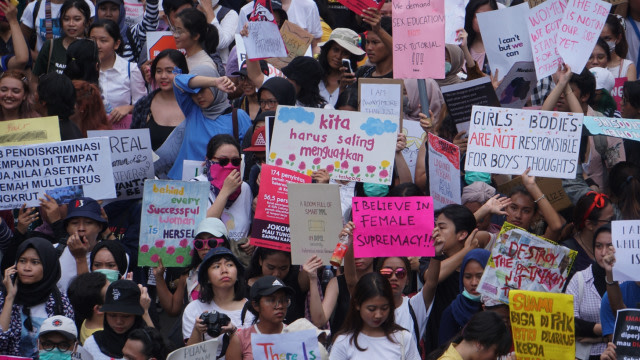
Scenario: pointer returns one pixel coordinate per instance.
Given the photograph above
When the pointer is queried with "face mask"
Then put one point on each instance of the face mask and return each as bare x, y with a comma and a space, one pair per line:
218, 173
447, 67
375, 190
112, 275
55, 354
468, 295
472, 176
612, 45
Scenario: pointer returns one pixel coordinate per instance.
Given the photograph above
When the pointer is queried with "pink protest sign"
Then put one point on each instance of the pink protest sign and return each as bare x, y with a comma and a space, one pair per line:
393, 226
616, 92
418, 39
358, 5
543, 23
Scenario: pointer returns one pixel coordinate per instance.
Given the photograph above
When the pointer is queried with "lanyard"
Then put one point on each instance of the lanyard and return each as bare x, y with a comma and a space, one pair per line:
635, 29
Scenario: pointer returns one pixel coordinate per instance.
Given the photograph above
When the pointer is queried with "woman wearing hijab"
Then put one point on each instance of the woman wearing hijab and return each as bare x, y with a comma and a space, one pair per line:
202, 98
411, 107
276, 91
31, 296
109, 258
467, 303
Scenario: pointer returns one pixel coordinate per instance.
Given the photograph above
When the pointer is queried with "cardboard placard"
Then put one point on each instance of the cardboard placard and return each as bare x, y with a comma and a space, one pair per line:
581, 25
444, 172
301, 345
625, 237
77, 166
505, 37
206, 350
270, 227
627, 334
29, 131
393, 226
460, 99
551, 188
508, 141
350, 145
158, 41
171, 210
315, 218
523, 261
296, 40
264, 41
454, 11
543, 23
381, 96
542, 325
131, 158
616, 127
418, 39
517, 85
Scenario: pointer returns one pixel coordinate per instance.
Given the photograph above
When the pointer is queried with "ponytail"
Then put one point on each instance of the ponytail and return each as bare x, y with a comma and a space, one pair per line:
624, 181
211, 39
195, 22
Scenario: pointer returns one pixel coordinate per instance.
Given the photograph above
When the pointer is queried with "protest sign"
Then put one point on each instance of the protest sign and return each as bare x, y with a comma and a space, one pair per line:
191, 169
460, 99
350, 145
130, 158
444, 172
206, 350
505, 37
381, 96
171, 210
270, 226
158, 41
168, 151
617, 91
299, 345
517, 85
621, 128
393, 226
315, 215
551, 188
418, 39
296, 40
82, 166
264, 41
627, 333
542, 325
508, 141
358, 5
543, 23
454, 11
134, 10
533, 3
626, 240
579, 31
524, 261
415, 136
29, 131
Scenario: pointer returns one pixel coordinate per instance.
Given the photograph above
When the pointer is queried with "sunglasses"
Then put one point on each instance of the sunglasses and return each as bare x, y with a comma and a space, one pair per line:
211, 243
236, 161
401, 273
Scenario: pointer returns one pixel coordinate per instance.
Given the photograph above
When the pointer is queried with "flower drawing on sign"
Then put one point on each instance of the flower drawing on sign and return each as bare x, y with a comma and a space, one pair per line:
144, 248
384, 174
159, 243
370, 170
316, 164
171, 250
155, 258
302, 165
292, 158
184, 243
278, 162
180, 259
330, 168
355, 171
309, 172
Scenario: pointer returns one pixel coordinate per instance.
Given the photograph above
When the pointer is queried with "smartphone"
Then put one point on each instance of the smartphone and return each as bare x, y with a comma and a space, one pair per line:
13, 278
347, 63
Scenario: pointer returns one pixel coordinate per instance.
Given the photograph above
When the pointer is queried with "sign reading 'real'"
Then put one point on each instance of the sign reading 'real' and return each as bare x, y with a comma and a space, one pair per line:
508, 141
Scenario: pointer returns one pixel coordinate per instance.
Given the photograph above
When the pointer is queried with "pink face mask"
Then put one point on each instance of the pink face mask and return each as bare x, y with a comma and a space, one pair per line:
217, 175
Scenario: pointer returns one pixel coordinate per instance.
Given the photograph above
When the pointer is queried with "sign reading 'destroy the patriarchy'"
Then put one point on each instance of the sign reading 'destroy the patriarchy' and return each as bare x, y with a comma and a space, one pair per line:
350, 145
508, 141
82, 167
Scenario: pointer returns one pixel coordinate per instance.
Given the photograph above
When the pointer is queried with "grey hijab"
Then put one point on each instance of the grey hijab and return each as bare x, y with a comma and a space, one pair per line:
220, 102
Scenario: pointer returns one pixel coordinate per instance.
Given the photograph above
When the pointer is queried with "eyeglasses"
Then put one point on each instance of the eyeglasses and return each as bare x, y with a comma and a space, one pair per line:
211, 243
177, 32
271, 102
401, 273
277, 302
236, 161
62, 346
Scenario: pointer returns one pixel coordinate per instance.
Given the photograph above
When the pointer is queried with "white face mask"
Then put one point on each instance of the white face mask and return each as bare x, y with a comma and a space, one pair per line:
612, 45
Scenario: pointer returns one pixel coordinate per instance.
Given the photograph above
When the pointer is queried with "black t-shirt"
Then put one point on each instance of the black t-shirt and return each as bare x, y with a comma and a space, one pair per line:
446, 292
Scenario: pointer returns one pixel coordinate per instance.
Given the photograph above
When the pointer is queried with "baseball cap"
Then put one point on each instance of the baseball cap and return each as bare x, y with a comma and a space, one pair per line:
212, 255
213, 226
346, 38
264, 67
85, 207
117, 2
604, 79
268, 285
123, 296
258, 140
60, 324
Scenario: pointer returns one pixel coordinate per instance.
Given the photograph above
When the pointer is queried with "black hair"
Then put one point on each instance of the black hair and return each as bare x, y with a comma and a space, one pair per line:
217, 141
83, 61
604, 103
616, 28
631, 93
324, 62
307, 74
261, 253
488, 329
405, 189
195, 22
520, 189
85, 292
58, 93
153, 343
583, 205
379, 264
586, 83
603, 44
348, 97
624, 182
461, 217
239, 288
82, 6
176, 57
256, 299
116, 249
170, 6
601, 229
111, 28
470, 14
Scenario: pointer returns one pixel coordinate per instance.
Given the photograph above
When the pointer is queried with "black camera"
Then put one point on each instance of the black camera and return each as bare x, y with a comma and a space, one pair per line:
215, 321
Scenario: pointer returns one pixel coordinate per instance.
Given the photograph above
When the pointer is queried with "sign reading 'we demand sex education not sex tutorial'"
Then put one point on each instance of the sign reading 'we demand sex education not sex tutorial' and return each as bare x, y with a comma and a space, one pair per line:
508, 141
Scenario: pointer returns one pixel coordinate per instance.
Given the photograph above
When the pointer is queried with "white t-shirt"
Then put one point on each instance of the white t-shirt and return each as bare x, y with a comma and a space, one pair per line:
620, 71
68, 268
330, 98
376, 347
91, 346
303, 13
403, 316
27, 20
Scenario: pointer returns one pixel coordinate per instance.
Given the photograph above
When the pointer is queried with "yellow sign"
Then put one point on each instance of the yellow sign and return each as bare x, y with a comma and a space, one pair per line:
29, 131
542, 325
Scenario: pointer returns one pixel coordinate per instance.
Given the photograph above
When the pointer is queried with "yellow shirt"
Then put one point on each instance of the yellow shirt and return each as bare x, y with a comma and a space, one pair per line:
451, 354
85, 332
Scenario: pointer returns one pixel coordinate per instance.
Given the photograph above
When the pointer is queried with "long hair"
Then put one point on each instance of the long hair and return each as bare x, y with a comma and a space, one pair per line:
26, 108
324, 62
83, 61
111, 28
624, 182
195, 22
470, 14
82, 6
90, 113
616, 28
254, 269
176, 57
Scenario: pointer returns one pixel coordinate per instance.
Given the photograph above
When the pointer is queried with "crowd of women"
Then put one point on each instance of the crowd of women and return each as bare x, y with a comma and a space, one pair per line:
70, 273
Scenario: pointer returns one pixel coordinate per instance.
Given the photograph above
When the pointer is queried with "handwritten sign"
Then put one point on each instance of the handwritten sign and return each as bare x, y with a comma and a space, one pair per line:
543, 23
515, 88
299, 345
521, 260
358, 5
158, 41
621, 128
460, 99
625, 238
206, 350
415, 136
551, 188
264, 41
542, 325
393, 226
82, 166
444, 172
29, 131
505, 37
381, 96
579, 31
627, 334
418, 39
171, 210
350, 145
270, 226
454, 11
130, 158
296, 40
617, 91
316, 220
508, 141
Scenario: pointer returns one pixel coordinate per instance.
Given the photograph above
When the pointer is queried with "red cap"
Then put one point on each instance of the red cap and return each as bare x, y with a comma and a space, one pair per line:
258, 140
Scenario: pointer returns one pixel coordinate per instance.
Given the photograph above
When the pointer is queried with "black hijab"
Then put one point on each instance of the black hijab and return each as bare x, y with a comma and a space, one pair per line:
33, 294
282, 89
110, 342
116, 249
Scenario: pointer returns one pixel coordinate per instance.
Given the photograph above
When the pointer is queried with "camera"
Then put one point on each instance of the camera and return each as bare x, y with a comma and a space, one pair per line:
215, 321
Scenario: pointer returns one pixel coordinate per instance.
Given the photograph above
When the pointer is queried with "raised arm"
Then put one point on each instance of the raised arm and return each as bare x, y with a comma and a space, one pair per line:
550, 215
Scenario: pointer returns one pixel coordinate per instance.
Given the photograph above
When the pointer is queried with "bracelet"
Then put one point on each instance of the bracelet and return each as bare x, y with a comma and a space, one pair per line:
610, 283
540, 198
440, 257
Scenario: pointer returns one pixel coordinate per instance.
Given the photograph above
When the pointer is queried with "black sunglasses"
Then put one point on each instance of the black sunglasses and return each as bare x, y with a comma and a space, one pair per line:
212, 243
236, 161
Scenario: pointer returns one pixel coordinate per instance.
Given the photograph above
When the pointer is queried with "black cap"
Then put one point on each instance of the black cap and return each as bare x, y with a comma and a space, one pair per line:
268, 285
304, 69
264, 67
117, 2
123, 296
